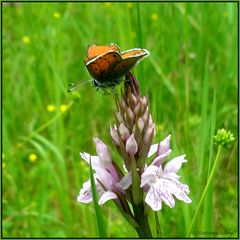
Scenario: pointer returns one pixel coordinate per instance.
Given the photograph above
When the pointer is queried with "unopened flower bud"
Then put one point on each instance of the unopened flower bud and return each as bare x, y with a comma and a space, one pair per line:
131, 145
130, 113
146, 114
140, 124
102, 151
136, 108
123, 104
129, 116
119, 117
132, 100
224, 138
149, 135
144, 100
114, 135
124, 132
150, 121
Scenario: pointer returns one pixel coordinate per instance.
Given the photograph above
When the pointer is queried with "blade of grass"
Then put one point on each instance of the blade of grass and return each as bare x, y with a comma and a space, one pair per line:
208, 206
204, 123
62, 172
57, 182
213, 171
163, 77
99, 217
43, 196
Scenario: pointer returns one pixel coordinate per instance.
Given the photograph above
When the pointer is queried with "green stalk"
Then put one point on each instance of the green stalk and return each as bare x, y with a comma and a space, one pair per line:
143, 230
158, 226
206, 188
99, 216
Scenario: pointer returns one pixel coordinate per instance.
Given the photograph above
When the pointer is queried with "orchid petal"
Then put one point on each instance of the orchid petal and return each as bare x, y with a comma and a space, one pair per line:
125, 182
113, 171
96, 162
175, 164
105, 178
164, 145
171, 176
102, 151
153, 200
107, 196
153, 150
148, 175
85, 195
160, 158
164, 193
178, 189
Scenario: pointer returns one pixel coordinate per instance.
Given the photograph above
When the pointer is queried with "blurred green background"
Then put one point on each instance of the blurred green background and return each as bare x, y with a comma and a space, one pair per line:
193, 50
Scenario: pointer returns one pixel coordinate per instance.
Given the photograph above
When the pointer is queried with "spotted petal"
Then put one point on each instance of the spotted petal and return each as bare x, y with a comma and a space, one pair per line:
85, 195
153, 200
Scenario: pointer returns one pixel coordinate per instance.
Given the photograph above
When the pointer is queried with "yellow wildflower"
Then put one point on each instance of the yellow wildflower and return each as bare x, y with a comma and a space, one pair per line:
32, 157
63, 108
130, 5
56, 15
51, 108
26, 39
225, 14
154, 17
159, 127
119, 222
133, 34
107, 4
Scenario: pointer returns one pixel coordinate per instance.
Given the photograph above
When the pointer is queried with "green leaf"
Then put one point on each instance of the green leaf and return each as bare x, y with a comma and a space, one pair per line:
136, 190
99, 217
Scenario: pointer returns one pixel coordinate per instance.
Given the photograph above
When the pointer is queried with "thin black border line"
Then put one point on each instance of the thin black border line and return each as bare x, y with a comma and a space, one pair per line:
144, 1
238, 100
1, 128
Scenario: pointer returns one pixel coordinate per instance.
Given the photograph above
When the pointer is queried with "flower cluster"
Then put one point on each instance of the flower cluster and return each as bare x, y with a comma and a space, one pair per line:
142, 178
224, 138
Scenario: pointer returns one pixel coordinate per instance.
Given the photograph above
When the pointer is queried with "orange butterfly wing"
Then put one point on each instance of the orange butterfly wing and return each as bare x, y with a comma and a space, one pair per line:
129, 59
136, 52
94, 51
101, 66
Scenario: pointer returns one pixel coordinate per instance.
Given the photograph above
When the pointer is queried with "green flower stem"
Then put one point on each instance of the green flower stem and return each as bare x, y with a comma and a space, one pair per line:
205, 189
143, 230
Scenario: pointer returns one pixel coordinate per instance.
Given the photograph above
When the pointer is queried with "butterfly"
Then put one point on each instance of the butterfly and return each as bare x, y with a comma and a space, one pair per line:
106, 64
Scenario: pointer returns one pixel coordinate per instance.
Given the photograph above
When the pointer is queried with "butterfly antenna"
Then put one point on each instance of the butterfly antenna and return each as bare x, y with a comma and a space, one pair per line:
74, 86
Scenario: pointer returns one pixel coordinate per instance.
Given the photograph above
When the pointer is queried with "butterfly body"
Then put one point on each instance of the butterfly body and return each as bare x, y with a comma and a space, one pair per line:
106, 64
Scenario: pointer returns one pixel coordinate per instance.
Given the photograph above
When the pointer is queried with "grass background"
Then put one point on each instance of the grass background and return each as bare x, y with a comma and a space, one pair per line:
193, 55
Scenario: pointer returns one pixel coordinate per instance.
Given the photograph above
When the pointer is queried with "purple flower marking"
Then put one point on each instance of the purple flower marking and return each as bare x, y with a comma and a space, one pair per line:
160, 184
